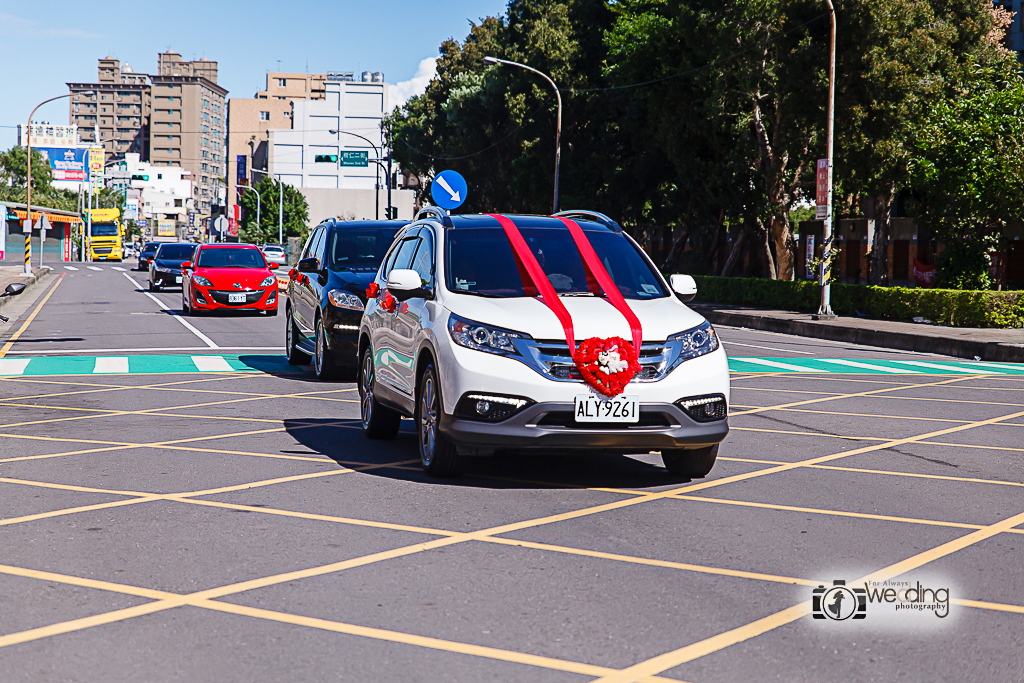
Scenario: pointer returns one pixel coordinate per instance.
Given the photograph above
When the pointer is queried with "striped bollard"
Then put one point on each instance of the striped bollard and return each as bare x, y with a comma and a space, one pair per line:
28, 246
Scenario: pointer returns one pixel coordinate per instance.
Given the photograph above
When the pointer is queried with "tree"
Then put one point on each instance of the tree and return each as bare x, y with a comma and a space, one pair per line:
296, 213
968, 174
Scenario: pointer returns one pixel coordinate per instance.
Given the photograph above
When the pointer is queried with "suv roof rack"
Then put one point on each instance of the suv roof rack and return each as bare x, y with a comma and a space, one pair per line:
591, 215
440, 214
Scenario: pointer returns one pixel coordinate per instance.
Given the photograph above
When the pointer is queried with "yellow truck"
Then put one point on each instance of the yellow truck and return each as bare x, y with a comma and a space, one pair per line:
106, 238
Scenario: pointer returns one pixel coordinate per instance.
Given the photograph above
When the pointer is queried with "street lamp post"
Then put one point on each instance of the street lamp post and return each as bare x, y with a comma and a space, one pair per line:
376, 149
825, 310
259, 225
558, 124
28, 184
280, 211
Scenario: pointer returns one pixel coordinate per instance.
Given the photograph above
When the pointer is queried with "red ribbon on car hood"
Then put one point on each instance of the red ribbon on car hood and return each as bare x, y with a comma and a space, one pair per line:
594, 268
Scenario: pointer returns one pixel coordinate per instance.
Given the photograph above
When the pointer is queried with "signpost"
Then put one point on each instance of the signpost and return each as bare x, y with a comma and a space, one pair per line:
448, 190
821, 190
355, 159
3, 231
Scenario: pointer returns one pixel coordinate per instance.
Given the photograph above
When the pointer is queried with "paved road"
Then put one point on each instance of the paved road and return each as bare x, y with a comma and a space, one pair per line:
171, 523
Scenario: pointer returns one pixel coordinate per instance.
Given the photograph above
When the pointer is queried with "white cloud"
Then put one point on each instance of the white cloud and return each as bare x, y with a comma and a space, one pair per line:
402, 92
11, 25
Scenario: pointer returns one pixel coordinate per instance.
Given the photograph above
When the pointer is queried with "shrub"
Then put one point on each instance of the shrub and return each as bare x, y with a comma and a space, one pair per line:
957, 308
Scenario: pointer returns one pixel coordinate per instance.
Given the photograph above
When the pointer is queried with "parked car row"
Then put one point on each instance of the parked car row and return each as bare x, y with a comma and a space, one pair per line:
498, 333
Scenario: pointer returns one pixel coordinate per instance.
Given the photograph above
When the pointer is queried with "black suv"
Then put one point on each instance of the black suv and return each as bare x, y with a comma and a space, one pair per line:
327, 293
146, 255
166, 267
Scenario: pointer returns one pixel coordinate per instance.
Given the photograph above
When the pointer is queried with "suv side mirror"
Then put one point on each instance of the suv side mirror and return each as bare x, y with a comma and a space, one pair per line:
684, 286
308, 265
405, 284
15, 288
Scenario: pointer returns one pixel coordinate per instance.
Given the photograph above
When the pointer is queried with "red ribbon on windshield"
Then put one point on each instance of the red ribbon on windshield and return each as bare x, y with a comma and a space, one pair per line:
597, 270
540, 280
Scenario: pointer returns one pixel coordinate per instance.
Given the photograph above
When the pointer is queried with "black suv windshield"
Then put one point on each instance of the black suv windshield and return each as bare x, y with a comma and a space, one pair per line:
148, 249
481, 261
358, 249
230, 257
175, 252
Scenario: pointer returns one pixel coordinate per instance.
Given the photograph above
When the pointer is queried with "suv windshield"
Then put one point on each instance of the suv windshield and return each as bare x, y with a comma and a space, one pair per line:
175, 252
104, 229
230, 257
352, 249
148, 249
481, 261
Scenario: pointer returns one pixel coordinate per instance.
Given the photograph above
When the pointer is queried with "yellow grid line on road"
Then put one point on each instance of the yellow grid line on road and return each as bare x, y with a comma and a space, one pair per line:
842, 414
21, 330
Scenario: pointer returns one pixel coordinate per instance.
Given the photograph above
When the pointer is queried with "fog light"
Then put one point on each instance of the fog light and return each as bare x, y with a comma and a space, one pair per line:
705, 408
489, 408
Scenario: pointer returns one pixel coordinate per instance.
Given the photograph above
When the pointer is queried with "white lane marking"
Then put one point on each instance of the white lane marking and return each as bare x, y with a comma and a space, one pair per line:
206, 340
13, 366
118, 364
94, 268
149, 348
769, 348
868, 366
70, 268
937, 366
212, 364
995, 365
781, 366
117, 268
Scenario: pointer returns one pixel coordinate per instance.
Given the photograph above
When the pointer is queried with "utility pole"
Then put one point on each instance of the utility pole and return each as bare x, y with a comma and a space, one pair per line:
280, 212
558, 123
825, 310
390, 141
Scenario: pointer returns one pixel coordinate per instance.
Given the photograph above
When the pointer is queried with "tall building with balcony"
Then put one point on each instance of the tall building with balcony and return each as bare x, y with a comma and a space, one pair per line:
118, 109
188, 125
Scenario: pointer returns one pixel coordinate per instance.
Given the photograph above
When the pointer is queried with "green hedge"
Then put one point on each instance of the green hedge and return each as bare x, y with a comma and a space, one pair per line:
971, 308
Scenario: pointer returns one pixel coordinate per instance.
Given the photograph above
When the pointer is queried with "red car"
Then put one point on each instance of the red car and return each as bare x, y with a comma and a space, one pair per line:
227, 277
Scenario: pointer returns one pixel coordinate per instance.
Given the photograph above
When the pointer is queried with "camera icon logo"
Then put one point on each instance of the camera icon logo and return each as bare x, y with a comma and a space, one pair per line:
839, 603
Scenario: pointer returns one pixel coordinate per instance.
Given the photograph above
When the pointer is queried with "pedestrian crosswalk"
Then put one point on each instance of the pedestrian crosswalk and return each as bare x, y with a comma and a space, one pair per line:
267, 363
95, 268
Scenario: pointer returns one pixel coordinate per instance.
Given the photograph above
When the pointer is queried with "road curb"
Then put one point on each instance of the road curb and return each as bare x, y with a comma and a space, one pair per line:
30, 282
889, 339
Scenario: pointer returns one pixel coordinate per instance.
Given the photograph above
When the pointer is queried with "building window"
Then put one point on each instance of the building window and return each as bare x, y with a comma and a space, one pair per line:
206, 103
206, 155
206, 167
282, 82
206, 128
206, 142
159, 176
264, 116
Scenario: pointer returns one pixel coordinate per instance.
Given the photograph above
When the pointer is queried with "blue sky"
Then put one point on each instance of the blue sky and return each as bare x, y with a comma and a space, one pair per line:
45, 44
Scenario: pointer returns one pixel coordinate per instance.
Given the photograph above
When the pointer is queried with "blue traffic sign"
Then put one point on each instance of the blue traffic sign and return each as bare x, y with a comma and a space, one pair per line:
448, 190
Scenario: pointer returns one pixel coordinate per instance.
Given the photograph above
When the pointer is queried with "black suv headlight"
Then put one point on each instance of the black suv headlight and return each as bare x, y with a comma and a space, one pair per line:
698, 341
483, 337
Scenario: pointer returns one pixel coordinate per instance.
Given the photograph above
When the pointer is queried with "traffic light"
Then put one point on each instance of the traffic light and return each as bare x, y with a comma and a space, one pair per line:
325, 159
393, 212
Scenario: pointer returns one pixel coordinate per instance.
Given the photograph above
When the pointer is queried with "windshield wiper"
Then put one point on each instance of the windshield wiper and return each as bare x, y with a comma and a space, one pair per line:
577, 294
483, 294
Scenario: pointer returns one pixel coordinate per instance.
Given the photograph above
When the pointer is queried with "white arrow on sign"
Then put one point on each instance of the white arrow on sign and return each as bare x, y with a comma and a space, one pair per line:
448, 188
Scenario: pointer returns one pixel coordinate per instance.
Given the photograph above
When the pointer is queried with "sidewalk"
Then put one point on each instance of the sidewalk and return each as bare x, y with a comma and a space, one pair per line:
962, 342
10, 274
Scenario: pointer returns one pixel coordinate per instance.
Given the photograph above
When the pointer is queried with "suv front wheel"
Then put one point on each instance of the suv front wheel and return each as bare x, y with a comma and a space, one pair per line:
694, 463
436, 452
379, 421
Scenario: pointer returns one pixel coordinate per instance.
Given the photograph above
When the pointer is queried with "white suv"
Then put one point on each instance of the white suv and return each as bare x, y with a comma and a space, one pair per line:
455, 336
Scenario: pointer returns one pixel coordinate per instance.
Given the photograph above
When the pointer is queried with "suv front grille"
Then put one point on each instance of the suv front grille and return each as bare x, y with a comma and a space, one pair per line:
552, 359
566, 419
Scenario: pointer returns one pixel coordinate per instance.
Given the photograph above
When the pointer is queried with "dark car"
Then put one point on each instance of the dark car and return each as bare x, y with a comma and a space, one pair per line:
146, 255
166, 267
327, 293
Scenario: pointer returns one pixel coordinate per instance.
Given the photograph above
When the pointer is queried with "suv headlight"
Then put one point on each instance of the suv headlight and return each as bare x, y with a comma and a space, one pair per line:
346, 300
698, 341
202, 281
161, 269
483, 337
267, 281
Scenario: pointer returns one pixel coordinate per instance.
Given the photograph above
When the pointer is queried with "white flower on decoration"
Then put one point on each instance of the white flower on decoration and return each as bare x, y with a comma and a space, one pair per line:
610, 361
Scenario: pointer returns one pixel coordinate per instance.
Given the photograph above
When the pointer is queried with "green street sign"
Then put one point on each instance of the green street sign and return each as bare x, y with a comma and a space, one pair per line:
355, 159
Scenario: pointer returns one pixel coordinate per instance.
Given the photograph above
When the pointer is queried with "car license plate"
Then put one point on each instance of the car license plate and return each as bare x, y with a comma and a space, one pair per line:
592, 408
178, 279
236, 298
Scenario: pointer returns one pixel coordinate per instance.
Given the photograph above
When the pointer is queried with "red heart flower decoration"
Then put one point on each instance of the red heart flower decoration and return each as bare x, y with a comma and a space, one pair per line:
602, 369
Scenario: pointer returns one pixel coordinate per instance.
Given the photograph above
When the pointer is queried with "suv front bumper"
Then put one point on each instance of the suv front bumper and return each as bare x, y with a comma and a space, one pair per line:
550, 426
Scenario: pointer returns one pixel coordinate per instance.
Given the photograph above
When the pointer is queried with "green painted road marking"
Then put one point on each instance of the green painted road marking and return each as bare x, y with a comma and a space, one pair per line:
272, 364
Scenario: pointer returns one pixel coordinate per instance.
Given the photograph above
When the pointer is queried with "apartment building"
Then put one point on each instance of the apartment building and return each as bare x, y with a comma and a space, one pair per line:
249, 121
188, 125
119, 108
